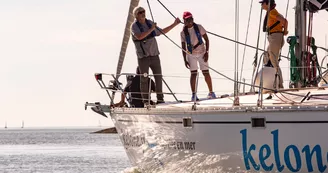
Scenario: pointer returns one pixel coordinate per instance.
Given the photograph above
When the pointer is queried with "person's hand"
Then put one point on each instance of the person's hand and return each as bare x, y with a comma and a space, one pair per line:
187, 64
177, 21
153, 26
205, 57
285, 32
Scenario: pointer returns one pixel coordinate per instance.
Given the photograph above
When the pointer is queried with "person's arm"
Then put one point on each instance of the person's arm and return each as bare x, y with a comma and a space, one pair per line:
284, 23
183, 45
123, 95
142, 35
184, 54
175, 23
282, 20
184, 49
207, 43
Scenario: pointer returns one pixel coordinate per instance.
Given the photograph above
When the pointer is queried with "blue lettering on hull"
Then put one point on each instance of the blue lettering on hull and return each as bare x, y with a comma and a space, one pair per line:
291, 160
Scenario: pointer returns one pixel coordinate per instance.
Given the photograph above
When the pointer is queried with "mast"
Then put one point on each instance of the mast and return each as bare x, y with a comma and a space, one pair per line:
125, 41
236, 84
5, 124
300, 31
126, 35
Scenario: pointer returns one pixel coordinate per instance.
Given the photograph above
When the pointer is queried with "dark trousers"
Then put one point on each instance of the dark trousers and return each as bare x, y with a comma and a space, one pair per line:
154, 63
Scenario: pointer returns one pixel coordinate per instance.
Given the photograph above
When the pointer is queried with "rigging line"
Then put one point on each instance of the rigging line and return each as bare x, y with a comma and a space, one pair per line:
286, 14
280, 99
256, 53
151, 13
260, 94
309, 46
244, 53
290, 101
161, 30
247, 84
229, 39
166, 9
236, 86
287, 98
274, 90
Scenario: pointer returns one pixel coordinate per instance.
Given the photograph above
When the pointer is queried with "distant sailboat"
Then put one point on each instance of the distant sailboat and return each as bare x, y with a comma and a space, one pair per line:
22, 124
5, 125
99, 124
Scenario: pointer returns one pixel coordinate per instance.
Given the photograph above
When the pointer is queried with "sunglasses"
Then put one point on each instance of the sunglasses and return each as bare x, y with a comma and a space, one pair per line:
189, 19
141, 12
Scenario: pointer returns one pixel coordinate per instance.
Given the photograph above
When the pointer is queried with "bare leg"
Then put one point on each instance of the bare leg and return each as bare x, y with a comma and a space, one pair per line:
193, 77
208, 80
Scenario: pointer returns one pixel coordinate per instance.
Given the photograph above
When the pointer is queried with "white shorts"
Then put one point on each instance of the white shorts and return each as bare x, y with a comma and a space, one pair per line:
194, 59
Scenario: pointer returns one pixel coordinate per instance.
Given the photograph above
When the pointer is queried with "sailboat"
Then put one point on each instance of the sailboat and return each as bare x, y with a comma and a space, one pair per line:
22, 124
5, 125
237, 133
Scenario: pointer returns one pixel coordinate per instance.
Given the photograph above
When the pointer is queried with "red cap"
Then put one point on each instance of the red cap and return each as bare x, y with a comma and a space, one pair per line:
186, 15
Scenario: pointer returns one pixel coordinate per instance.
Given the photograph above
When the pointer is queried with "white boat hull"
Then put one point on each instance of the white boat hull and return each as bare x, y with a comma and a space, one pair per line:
225, 141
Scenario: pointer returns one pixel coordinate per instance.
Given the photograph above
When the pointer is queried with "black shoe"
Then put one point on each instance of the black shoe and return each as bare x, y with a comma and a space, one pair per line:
269, 97
160, 101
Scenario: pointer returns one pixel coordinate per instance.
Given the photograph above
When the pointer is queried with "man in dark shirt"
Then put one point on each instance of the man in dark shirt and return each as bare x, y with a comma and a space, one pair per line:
133, 88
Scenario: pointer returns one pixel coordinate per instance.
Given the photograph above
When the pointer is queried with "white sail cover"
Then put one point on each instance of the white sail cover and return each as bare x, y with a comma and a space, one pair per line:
316, 5
126, 36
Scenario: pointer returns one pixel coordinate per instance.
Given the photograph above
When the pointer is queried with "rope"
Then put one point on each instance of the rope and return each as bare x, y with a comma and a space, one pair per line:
151, 13
287, 98
238, 82
260, 94
308, 63
162, 31
256, 53
286, 14
282, 99
244, 53
216, 35
166, 8
244, 83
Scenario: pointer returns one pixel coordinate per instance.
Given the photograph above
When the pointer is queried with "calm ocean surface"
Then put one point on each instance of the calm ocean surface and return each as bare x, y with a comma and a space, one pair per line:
60, 151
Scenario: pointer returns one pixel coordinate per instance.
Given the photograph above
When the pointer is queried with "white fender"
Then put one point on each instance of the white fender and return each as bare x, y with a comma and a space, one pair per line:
268, 79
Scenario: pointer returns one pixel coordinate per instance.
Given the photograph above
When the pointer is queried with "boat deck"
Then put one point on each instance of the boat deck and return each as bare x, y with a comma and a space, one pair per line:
284, 100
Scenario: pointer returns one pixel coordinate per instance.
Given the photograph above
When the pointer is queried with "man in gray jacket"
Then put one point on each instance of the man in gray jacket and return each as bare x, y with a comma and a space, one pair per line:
143, 33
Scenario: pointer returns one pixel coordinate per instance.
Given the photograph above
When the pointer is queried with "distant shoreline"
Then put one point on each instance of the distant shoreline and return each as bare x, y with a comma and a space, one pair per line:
111, 130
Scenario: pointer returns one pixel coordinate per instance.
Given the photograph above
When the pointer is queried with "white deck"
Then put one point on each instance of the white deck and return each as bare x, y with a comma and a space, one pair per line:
286, 100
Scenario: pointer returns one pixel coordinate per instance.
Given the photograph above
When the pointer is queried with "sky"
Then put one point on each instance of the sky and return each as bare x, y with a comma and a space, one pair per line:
50, 51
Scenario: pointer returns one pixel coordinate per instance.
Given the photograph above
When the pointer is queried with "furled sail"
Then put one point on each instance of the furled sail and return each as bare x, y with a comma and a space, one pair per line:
316, 5
126, 36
